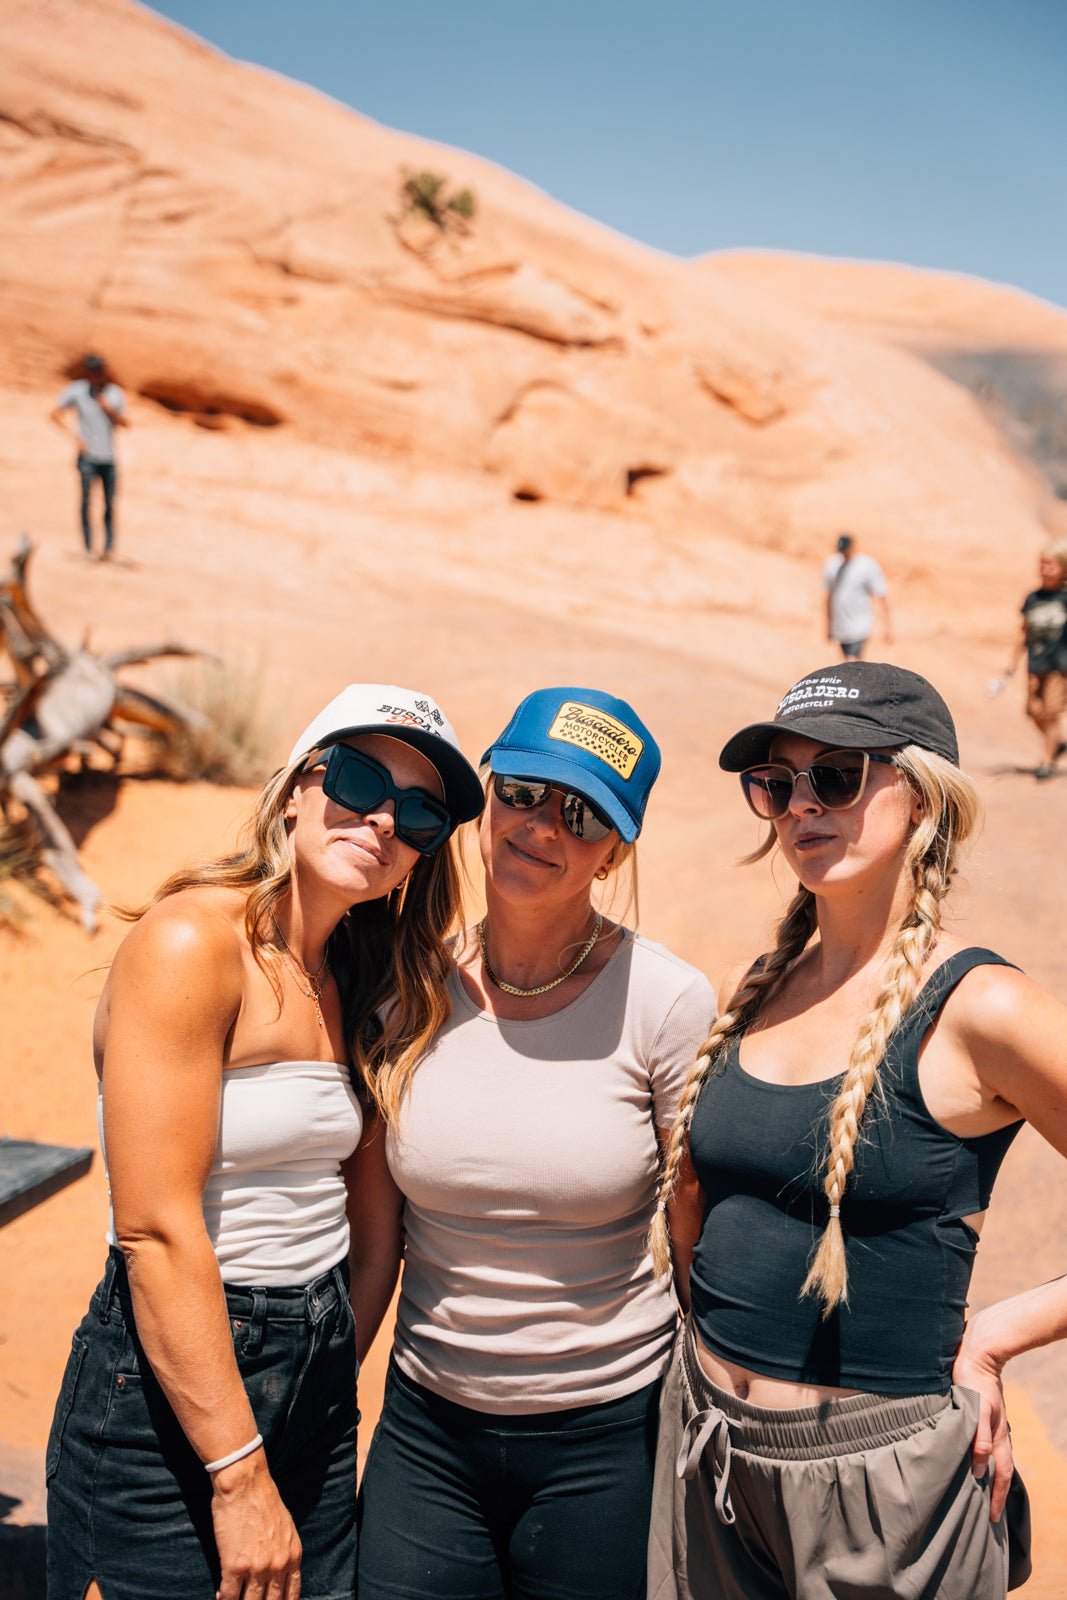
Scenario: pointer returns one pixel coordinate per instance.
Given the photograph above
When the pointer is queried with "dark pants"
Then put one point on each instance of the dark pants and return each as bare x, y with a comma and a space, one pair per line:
105, 471
129, 1503
458, 1504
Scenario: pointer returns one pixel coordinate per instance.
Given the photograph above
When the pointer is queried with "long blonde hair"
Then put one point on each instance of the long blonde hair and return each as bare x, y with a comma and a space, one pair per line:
951, 810
389, 956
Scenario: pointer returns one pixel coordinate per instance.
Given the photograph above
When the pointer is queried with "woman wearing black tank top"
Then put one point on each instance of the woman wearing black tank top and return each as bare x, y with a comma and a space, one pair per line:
829, 1425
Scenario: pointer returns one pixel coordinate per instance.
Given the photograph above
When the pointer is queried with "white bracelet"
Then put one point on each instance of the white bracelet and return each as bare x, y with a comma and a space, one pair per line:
234, 1455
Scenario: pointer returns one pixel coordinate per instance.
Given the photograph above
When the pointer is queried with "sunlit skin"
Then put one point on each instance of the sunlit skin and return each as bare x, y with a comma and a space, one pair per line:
532, 856
538, 886
863, 845
343, 857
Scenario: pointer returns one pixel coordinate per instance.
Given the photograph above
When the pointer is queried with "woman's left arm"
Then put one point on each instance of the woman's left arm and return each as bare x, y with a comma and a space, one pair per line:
677, 1044
1015, 1034
685, 1217
376, 1235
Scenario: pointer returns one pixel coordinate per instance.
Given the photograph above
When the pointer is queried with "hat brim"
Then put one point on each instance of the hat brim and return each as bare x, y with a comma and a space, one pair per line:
545, 768
464, 795
752, 744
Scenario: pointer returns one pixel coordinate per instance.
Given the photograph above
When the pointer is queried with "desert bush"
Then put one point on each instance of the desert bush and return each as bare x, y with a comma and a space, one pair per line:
425, 194
231, 739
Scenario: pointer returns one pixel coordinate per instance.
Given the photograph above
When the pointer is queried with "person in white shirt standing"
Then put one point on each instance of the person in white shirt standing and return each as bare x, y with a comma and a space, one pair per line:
852, 582
99, 407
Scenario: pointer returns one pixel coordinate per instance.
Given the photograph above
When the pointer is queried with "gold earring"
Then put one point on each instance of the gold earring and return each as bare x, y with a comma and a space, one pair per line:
601, 873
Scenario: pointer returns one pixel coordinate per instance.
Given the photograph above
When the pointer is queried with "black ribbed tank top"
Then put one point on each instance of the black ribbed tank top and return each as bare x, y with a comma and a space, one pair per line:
760, 1151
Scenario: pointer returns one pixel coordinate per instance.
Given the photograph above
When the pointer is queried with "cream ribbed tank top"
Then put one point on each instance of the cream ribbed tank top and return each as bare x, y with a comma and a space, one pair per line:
274, 1205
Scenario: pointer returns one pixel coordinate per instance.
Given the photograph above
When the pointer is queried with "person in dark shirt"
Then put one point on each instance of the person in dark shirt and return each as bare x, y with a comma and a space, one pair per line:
830, 1424
1043, 640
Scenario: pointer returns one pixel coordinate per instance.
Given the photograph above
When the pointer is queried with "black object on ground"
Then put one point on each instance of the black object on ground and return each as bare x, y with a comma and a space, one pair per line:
30, 1172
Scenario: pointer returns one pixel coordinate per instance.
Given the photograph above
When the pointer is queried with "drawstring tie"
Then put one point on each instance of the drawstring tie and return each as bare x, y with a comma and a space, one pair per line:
709, 1427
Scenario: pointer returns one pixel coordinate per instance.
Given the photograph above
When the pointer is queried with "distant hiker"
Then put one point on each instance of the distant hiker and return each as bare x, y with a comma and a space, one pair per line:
852, 580
100, 408
1043, 640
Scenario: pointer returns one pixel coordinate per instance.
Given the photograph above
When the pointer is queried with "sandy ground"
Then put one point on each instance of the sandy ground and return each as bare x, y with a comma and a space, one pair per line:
277, 589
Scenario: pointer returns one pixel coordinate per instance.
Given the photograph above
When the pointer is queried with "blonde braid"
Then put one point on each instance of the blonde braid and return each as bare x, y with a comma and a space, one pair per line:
759, 982
950, 810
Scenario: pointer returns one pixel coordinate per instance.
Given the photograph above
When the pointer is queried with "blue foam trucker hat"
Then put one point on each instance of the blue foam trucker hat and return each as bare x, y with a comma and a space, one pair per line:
584, 740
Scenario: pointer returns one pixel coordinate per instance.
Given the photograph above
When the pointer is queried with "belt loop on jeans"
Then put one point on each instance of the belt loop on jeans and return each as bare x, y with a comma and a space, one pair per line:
340, 1288
109, 1286
257, 1322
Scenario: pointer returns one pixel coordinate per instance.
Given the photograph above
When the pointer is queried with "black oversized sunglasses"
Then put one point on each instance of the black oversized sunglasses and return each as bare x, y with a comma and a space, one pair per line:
580, 815
837, 779
361, 784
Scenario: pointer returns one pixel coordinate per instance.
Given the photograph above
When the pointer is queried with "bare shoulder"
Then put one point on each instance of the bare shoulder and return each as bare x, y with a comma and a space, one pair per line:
196, 936
1014, 1034
997, 1005
732, 981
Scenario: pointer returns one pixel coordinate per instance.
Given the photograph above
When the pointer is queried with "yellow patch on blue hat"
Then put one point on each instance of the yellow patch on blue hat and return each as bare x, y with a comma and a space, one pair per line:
602, 736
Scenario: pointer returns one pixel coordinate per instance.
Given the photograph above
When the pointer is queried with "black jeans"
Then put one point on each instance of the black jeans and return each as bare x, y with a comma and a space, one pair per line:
129, 1503
458, 1504
105, 471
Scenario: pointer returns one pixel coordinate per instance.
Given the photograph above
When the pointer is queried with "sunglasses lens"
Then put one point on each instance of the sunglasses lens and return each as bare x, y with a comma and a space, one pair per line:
582, 820
837, 783
421, 822
580, 816
361, 784
353, 781
768, 790
520, 793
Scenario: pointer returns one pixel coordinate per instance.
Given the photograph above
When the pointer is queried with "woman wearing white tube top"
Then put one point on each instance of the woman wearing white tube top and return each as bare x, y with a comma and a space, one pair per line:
204, 1437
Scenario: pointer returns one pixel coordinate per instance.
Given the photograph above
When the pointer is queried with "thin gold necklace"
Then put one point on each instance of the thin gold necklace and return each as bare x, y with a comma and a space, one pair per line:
541, 988
308, 983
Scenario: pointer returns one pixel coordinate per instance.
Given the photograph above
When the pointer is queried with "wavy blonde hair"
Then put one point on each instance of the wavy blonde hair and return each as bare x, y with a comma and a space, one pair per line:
389, 956
951, 811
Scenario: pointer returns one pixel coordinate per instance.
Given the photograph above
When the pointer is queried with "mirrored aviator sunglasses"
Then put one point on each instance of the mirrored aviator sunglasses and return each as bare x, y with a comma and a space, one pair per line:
361, 784
837, 780
580, 815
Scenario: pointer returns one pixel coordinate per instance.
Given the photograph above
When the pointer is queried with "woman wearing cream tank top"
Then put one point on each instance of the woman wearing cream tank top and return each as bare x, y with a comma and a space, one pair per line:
514, 1454
204, 1440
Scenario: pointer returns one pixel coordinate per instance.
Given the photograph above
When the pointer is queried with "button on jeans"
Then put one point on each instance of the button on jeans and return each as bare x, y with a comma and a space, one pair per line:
129, 1502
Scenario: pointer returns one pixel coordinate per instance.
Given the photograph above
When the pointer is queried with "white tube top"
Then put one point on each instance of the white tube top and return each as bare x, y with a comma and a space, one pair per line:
274, 1205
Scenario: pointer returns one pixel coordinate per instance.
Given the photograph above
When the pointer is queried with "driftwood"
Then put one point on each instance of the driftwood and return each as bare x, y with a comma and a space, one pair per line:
63, 704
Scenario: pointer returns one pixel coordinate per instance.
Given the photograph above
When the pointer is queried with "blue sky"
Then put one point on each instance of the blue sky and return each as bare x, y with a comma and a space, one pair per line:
926, 131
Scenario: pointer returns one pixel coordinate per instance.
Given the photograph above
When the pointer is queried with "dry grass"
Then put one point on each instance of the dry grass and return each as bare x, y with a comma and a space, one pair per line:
22, 872
232, 739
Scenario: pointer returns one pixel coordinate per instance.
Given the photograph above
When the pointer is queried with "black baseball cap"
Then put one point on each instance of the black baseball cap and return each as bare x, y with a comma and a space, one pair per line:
852, 706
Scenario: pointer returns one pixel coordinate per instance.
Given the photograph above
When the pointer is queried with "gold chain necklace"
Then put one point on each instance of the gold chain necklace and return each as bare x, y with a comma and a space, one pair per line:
310, 984
541, 988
